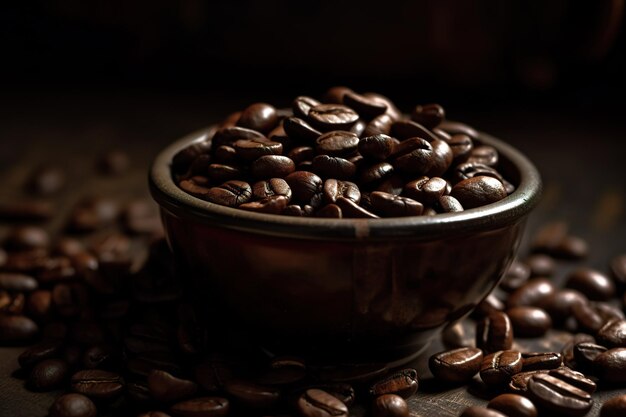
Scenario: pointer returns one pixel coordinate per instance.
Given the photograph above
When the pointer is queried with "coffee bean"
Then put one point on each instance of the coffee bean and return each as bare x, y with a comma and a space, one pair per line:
608, 311
315, 402
428, 115
449, 204
533, 293
513, 405
367, 107
342, 391
11, 303
327, 117
375, 174
560, 304
252, 395
486, 155
337, 143
261, 117
228, 135
574, 378
618, 269
613, 334
442, 158
467, 170
529, 321
571, 247
391, 205
231, 193
494, 332
17, 329
378, 125
182, 159
476, 411
269, 166
403, 383
304, 185
541, 360
515, 276
455, 336
73, 405
350, 209
567, 351
302, 104
557, 396
519, 381
491, 304
390, 405
611, 365
251, 149
594, 284
426, 190
541, 265
333, 167
405, 129
165, 387
461, 146
336, 94
202, 407
300, 131
271, 187
585, 354
99, 356
614, 407
39, 352
458, 365
376, 147
48, 375
10, 281
197, 186
98, 384
414, 156
587, 317
333, 189
478, 191
498, 367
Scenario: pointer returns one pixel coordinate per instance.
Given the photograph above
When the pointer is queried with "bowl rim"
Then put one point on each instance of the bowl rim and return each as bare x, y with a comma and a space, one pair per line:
505, 212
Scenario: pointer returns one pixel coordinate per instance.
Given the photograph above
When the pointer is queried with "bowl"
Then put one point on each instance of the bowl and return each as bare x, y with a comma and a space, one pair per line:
358, 290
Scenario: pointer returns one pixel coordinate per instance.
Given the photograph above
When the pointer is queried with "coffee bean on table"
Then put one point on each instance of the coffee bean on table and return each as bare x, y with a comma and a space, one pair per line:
201, 407
594, 284
513, 405
491, 304
48, 375
612, 334
540, 265
478, 191
585, 354
390, 405
403, 383
614, 407
476, 411
557, 396
567, 351
515, 276
458, 365
587, 317
574, 378
560, 304
73, 405
529, 321
17, 329
541, 360
315, 402
43, 350
571, 248
165, 387
611, 365
519, 381
98, 384
497, 368
533, 293
494, 332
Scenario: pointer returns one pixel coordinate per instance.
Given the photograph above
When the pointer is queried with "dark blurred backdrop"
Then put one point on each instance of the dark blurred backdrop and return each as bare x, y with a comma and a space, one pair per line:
458, 52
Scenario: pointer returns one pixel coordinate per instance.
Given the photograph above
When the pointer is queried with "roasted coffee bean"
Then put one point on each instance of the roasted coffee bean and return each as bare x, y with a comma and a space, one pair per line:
557, 396
39, 352
498, 367
251, 149
585, 354
607, 311
231, 193
202, 407
458, 365
304, 185
17, 329
376, 147
98, 384
27, 237
11, 303
342, 391
486, 155
201, 164
476, 411
350, 209
594, 284
467, 170
491, 304
574, 378
541, 360
618, 269
300, 131
571, 247
181, 161
403, 383
414, 156
331, 211
513, 405
271, 187
395, 206
428, 115
567, 351
225, 154
611, 365
272, 166
73, 405
461, 146
165, 387
376, 173
335, 94
378, 125
614, 407
99, 356
114, 162
302, 104
478, 191
197, 186
613, 334
315, 402
529, 321
261, 117
333, 189
494, 332
366, 107
333, 167
587, 317
533, 293
519, 381
442, 158
327, 117
455, 336
449, 204
252, 395
540, 265
515, 276
390, 405
560, 304
405, 129
337, 143
426, 190
392, 110
219, 173
48, 375
11, 281
25, 211
228, 135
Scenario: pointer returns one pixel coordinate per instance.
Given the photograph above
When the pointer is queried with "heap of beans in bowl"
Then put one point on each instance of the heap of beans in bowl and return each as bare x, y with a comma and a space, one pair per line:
348, 155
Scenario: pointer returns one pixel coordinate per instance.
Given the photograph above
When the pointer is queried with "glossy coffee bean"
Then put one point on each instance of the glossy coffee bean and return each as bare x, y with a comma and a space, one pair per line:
27, 237
352, 210
327, 117
428, 115
442, 158
376, 147
458, 365
585, 354
201, 407
557, 396
251, 149
252, 395
331, 211
11, 281
300, 131
165, 387
618, 269
533, 293
541, 360
390, 205
426, 190
513, 405
333, 167
608, 311
98, 384
315, 402
336, 143
498, 367
478, 191
529, 321
271, 187
461, 146
259, 116
231, 193
272, 166
612, 334
611, 365
594, 284
17, 329
406, 129
333, 189
48, 375
379, 125
197, 186
403, 383
519, 381
448, 204
302, 104
491, 304
571, 248
614, 407
476, 411
484, 154
376, 173
272, 205
283, 370
541, 265
494, 332
304, 185
367, 107
390, 405
335, 94
39, 352
515, 276
73, 405
414, 156
574, 378
560, 304
587, 317
567, 351
467, 170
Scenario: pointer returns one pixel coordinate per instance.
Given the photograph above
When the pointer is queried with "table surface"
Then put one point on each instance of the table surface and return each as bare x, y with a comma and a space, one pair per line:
580, 156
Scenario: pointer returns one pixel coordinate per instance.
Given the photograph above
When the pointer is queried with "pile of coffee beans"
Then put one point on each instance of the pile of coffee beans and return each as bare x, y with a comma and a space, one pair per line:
349, 155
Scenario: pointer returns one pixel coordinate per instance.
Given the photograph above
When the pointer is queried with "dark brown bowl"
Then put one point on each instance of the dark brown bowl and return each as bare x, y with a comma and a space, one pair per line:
367, 289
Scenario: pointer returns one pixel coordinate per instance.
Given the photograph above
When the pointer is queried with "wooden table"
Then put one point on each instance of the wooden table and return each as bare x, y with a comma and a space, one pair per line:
581, 157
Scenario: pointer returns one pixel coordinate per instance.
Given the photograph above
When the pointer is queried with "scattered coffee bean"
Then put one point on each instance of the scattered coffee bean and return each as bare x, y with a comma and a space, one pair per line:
98, 384
165, 387
498, 368
16, 282
613, 334
541, 360
315, 402
494, 332
594, 284
48, 375
73, 405
618, 269
529, 321
17, 329
46, 180
587, 317
611, 365
390, 405
458, 365
519, 381
513, 405
574, 378
516, 276
533, 293
585, 354
540, 265
403, 383
614, 407
557, 396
